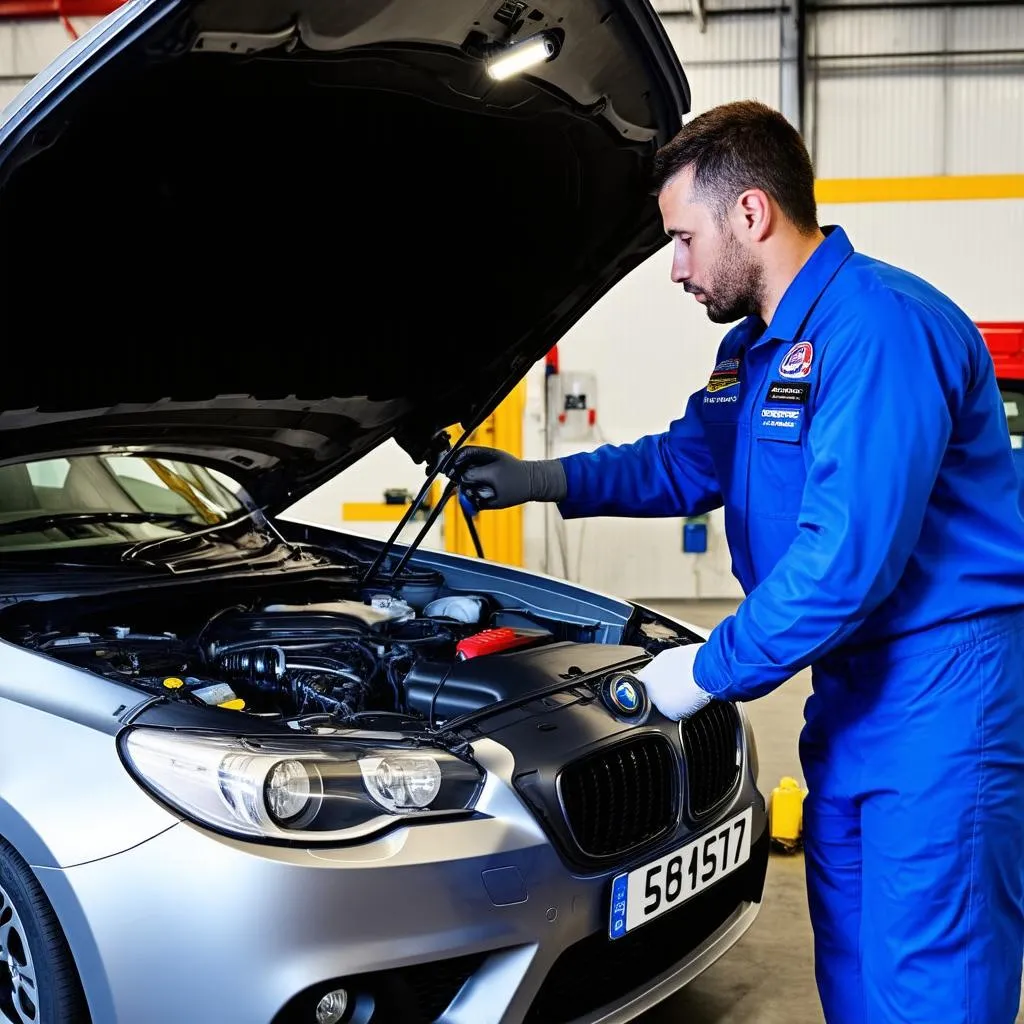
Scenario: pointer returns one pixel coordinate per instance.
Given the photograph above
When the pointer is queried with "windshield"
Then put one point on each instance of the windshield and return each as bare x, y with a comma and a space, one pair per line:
96, 500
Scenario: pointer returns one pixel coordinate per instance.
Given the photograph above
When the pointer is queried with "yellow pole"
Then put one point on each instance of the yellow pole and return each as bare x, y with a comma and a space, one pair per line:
501, 531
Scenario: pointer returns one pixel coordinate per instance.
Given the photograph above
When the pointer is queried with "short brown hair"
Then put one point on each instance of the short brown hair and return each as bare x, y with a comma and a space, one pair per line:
738, 146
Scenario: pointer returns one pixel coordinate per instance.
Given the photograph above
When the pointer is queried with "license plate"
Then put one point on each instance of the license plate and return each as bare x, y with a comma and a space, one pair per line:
645, 893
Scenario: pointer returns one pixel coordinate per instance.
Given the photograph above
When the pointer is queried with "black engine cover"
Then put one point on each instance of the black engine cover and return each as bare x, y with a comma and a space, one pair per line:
442, 691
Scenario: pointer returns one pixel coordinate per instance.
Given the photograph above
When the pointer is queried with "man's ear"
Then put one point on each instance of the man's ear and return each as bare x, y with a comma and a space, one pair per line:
753, 215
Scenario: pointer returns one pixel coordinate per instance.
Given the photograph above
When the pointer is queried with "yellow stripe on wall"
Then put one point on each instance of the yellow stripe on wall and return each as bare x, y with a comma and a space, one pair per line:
908, 190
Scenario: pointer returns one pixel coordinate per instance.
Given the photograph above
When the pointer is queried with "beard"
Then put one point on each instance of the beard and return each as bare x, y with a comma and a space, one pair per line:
734, 284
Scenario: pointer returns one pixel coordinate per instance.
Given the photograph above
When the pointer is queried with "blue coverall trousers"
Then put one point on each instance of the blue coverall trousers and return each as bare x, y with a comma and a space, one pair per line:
915, 863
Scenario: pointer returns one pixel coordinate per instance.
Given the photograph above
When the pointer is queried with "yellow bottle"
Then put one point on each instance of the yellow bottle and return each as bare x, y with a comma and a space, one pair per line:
786, 813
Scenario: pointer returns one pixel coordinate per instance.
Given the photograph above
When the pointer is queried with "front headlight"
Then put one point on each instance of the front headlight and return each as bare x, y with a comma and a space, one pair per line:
304, 789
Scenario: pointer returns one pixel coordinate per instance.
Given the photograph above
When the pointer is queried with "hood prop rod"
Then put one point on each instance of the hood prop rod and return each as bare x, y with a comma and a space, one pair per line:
452, 487
442, 455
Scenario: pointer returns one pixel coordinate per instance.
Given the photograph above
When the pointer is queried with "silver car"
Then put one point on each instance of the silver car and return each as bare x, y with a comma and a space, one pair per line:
255, 771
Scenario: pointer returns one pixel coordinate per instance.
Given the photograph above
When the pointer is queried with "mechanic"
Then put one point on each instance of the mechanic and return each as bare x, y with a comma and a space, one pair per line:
853, 430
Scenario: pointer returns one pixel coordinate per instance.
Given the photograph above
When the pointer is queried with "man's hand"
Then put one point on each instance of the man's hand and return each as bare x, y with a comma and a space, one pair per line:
668, 679
491, 478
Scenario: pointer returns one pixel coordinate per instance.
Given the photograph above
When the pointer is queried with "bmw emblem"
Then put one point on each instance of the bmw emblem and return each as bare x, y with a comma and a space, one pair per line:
624, 696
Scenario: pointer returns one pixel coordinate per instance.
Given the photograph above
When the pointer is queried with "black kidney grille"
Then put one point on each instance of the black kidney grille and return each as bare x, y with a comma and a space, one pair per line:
710, 744
621, 797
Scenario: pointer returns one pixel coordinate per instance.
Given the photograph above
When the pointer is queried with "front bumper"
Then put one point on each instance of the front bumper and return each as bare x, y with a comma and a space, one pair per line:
469, 922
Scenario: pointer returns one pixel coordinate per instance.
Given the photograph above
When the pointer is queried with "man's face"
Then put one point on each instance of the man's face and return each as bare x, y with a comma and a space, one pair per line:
708, 260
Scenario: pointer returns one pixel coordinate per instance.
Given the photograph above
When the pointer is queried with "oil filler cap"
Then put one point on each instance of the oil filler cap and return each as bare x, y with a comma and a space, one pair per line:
625, 697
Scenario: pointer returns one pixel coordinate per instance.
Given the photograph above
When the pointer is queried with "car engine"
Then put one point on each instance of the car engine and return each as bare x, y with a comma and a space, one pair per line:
330, 653
340, 659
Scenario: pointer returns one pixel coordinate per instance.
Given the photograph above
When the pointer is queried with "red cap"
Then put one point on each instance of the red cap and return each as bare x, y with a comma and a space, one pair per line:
492, 641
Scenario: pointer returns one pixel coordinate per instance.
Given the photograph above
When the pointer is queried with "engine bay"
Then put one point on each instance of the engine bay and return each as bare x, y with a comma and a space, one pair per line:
326, 654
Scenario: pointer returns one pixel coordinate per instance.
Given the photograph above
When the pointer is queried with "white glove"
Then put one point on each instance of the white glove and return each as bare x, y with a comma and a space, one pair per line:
668, 679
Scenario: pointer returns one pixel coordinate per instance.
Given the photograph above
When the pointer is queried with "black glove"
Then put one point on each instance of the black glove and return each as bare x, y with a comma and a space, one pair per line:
491, 478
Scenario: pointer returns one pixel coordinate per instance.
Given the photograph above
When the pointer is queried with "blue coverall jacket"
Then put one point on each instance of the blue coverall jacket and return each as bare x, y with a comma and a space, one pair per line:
860, 448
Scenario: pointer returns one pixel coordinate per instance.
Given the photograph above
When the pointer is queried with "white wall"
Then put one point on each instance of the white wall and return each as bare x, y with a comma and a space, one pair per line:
972, 250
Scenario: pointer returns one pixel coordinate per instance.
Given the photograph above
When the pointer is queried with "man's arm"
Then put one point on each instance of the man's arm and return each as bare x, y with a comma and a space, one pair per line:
881, 424
668, 474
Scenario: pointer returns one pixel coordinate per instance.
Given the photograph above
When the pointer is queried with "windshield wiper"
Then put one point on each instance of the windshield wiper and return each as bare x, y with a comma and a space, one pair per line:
30, 524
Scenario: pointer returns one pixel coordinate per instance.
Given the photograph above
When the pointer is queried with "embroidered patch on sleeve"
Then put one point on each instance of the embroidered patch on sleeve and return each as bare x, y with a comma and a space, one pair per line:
725, 375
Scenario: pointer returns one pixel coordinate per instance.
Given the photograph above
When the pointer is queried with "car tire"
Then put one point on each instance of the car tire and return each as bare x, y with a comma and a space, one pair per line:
38, 978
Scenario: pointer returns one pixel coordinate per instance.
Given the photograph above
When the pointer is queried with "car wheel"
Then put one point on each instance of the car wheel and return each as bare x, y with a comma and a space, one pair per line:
39, 983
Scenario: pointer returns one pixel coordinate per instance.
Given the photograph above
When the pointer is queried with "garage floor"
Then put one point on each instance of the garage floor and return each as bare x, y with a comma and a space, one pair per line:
768, 976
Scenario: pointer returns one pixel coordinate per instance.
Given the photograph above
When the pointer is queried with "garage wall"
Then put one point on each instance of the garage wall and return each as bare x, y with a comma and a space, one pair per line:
972, 250
736, 53
889, 92
916, 91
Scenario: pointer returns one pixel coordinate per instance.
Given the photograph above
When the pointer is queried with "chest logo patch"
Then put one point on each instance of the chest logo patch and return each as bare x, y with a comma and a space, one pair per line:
797, 361
725, 375
795, 393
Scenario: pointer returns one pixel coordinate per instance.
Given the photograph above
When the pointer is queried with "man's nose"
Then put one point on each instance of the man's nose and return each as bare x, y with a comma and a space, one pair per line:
680, 266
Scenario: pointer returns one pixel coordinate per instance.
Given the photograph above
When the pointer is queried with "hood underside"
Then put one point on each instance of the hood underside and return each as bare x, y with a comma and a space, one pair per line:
270, 240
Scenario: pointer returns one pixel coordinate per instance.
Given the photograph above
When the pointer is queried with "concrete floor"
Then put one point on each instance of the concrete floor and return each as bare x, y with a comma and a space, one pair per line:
768, 976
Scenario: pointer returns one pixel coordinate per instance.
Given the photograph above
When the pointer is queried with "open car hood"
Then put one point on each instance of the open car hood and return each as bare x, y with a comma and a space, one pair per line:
268, 236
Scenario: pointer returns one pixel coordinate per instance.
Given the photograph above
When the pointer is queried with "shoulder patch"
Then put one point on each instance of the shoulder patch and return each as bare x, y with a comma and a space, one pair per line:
725, 375
797, 361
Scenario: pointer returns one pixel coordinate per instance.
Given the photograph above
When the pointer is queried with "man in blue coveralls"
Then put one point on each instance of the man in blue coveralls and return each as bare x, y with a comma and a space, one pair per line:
853, 430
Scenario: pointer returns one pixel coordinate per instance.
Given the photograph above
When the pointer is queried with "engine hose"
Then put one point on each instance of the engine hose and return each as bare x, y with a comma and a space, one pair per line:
263, 667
